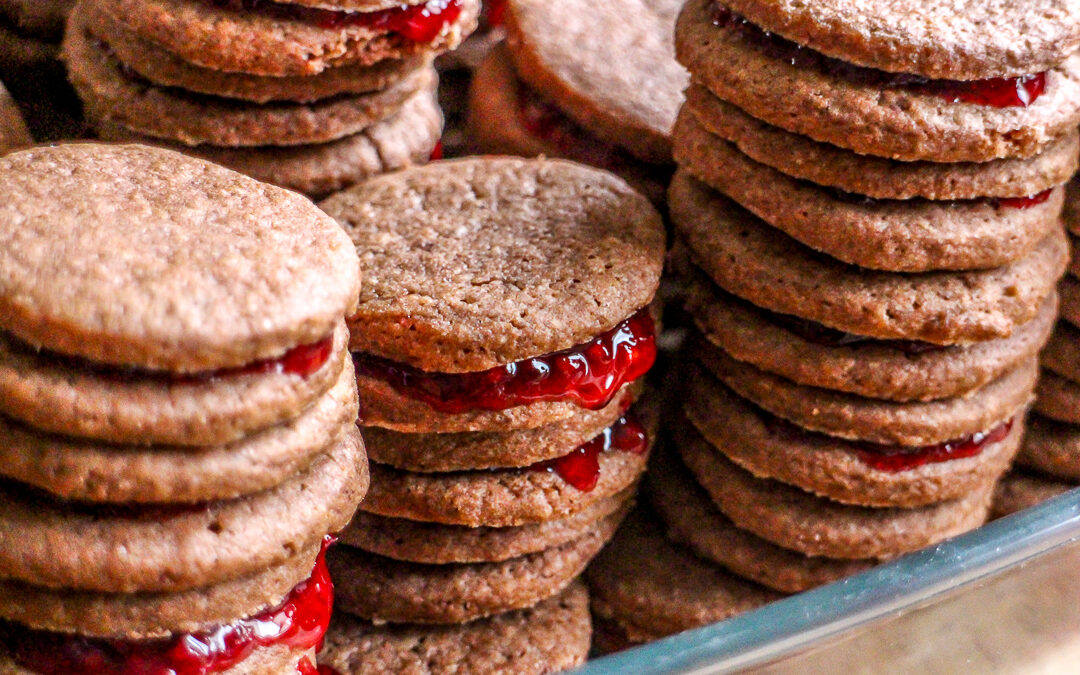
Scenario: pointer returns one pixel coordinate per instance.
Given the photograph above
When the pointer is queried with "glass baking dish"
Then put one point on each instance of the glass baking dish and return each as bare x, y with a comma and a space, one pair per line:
1002, 599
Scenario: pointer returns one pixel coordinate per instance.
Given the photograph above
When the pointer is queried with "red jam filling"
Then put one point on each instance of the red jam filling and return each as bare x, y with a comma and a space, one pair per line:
298, 623
589, 374
436, 152
581, 468
1024, 202
419, 23
894, 459
548, 123
494, 13
998, 92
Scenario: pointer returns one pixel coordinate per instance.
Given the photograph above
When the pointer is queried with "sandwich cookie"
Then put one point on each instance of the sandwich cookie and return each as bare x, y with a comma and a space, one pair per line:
1019, 490
200, 538
565, 96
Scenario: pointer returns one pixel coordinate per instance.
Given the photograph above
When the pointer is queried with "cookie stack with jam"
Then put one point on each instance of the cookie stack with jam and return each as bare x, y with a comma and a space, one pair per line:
1049, 461
868, 209
503, 331
177, 415
312, 95
556, 87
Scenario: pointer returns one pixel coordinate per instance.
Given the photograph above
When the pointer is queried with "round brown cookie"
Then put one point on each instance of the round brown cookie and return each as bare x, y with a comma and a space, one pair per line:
1071, 213
534, 256
404, 138
858, 114
913, 423
1062, 352
693, 520
550, 637
912, 235
435, 544
501, 498
472, 451
258, 42
1019, 490
1058, 398
173, 548
13, 131
220, 270
631, 101
497, 125
813, 526
94, 472
756, 262
194, 119
871, 368
163, 68
262, 661
878, 177
69, 398
1052, 448
40, 18
153, 615
966, 40
384, 590
833, 468
1069, 288
652, 588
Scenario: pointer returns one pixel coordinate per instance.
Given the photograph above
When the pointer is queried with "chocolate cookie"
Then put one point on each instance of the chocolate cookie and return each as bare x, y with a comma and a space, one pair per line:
118, 550
1019, 490
879, 177
845, 471
630, 102
651, 588
1052, 448
813, 526
968, 40
272, 40
222, 270
757, 263
913, 235
863, 112
811, 354
380, 589
693, 520
550, 637
533, 257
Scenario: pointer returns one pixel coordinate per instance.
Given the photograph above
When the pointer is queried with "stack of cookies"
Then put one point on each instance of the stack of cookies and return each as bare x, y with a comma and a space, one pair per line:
177, 415
597, 83
313, 96
868, 209
503, 330
1049, 461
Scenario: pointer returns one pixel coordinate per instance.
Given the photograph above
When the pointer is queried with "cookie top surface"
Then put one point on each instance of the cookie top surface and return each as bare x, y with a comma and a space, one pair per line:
942, 39
476, 263
137, 256
566, 50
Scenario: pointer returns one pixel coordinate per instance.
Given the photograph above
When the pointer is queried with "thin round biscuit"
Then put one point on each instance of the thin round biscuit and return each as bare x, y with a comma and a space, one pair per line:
1052, 448
831, 467
870, 368
691, 519
142, 409
1019, 490
384, 590
534, 256
1069, 288
1058, 398
756, 262
898, 123
813, 526
220, 37
96, 472
856, 418
630, 102
220, 270
878, 177
173, 548
965, 40
550, 637
1062, 353
912, 235
280, 658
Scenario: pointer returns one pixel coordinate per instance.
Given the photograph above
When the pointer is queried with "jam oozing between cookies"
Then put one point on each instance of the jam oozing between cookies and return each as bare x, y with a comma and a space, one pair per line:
419, 23
299, 623
581, 468
589, 374
895, 459
997, 92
